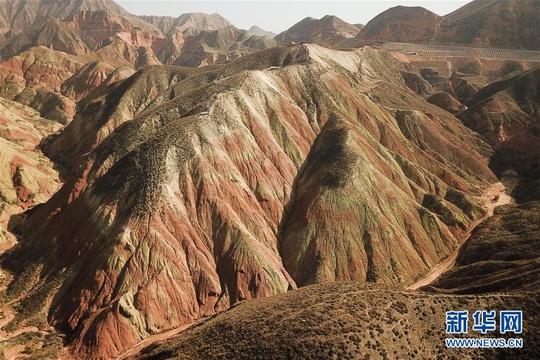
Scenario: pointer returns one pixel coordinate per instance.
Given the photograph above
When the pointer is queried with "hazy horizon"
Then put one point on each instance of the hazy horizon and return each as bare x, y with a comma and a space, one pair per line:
278, 16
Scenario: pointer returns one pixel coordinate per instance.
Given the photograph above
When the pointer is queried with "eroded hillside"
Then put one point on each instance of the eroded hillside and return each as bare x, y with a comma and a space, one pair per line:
184, 191
27, 177
203, 187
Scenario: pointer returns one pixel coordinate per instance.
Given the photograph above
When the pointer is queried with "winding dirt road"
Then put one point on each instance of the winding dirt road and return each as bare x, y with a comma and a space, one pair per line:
496, 195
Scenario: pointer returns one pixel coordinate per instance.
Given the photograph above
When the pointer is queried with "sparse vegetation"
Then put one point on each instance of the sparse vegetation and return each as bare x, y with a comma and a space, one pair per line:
368, 334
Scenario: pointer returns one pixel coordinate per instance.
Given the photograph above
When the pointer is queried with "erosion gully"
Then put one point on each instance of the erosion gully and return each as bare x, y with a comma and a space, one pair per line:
496, 195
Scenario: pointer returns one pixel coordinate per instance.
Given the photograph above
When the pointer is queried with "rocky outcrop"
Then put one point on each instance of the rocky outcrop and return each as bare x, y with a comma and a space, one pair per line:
462, 88
193, 189
417, 83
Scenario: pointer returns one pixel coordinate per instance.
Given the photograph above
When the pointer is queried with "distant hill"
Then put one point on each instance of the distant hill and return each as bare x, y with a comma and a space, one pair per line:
209, 47
496, 23
329, 30
491, 23
403, 24
196, 21
255, 30
21, 14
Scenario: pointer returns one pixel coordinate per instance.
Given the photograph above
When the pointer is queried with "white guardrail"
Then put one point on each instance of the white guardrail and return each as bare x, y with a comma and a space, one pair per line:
458, 51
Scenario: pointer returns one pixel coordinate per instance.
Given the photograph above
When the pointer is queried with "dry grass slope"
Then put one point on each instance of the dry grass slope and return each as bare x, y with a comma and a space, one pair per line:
346, 321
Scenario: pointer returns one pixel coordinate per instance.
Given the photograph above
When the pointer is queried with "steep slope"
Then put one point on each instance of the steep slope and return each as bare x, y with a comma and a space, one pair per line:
445, 101
85, 79
403, 24
506, 112
200, 186
330, 30
27, 177
502, 255
119, 52
345, 321
101, 113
